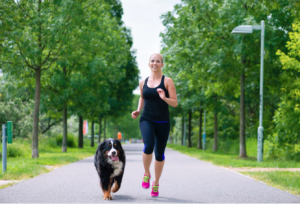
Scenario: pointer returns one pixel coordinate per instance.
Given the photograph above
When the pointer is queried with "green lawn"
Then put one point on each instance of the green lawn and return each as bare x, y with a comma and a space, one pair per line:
284, 180
231, 159
23, 167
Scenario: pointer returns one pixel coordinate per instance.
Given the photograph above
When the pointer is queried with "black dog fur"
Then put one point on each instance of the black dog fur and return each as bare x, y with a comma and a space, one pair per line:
110, 172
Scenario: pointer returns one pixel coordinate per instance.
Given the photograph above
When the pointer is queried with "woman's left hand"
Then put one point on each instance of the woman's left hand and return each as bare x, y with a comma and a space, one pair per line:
161, 93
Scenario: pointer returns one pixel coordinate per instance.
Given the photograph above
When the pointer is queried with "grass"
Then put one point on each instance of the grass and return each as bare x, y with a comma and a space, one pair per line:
229, 156
6, 185
284, 180
24, 167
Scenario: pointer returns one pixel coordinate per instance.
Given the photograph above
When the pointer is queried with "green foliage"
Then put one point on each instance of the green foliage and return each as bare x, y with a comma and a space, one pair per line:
15, 150
50, 142
125, 124
71, 140
285, 140
79, 50
20, 113
207, 62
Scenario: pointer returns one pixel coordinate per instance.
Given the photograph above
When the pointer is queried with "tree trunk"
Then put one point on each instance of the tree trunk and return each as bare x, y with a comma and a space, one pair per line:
80, 135
114, 132
215, 146
93, 135
65, 129
182, 130
38, 71
200, 129
100, 128
190, 128
35, 132
104, 129
242, 116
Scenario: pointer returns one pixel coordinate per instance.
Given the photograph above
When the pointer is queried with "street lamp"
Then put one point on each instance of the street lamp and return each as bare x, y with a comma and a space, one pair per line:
244, 29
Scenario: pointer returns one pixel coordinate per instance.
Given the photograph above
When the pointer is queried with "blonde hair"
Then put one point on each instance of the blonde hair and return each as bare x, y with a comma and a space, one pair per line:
162, 59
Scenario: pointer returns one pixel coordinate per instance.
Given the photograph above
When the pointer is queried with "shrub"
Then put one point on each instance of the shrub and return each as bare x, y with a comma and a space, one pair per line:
15, 150
52, 142
45, 142
71, 140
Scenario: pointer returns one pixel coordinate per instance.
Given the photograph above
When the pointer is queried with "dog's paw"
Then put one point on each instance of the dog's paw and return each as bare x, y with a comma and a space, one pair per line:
115, 188
107, 197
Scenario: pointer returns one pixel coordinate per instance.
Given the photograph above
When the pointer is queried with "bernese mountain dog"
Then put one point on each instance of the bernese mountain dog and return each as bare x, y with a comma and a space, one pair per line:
110, 163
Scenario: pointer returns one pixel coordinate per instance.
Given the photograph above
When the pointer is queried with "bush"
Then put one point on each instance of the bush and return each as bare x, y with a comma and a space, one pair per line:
15, 150
71, 140
45, 142
52, 142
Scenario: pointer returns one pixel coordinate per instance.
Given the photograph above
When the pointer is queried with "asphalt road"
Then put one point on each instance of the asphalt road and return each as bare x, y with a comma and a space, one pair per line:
184, 180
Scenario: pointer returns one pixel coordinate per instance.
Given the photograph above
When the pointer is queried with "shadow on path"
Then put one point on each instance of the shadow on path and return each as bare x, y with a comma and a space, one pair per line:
127, 198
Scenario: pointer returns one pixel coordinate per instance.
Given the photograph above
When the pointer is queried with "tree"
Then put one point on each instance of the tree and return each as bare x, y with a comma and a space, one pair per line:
55, 38
33, 35
287, 131
200, 52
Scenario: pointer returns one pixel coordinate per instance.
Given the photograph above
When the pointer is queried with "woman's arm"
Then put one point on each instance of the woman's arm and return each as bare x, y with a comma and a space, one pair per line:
141, 100
172, 100
136, 113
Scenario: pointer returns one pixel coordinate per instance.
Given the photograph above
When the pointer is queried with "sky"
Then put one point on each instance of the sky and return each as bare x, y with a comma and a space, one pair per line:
143, 18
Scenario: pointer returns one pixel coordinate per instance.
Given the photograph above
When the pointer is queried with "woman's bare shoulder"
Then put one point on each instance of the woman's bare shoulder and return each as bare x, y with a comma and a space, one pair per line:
168, 80
141, 83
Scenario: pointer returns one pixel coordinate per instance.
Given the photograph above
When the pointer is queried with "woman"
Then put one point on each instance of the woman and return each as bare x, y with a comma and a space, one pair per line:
157, 92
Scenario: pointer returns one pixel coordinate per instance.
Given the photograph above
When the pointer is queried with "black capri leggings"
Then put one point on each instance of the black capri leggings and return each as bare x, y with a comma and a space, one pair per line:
155, 136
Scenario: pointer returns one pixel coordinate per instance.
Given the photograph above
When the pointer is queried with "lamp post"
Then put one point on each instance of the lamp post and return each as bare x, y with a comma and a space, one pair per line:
244, 29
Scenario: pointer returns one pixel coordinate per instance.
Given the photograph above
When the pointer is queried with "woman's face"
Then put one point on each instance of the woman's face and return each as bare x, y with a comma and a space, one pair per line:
155, 63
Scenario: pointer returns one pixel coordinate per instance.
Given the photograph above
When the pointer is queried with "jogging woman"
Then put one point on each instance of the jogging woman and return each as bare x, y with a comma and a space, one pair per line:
157, 92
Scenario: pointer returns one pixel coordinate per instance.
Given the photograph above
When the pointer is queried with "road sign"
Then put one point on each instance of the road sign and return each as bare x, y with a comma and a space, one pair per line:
9, 132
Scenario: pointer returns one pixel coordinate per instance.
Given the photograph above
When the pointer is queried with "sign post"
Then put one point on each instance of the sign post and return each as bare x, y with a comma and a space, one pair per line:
184, 133
204, 133
4, 151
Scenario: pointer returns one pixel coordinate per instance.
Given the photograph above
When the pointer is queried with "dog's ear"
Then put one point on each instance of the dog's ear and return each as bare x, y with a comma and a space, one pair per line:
121, 148
99, 153
102, 145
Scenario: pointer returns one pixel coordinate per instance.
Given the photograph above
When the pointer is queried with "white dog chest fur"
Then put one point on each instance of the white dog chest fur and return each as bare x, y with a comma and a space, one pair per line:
118, 168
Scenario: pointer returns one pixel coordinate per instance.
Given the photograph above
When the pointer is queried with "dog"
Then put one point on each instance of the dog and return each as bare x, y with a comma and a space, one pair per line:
110, 164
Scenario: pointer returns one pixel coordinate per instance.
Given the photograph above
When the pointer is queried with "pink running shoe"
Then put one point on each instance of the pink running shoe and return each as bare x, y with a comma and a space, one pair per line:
154, 192
146, 181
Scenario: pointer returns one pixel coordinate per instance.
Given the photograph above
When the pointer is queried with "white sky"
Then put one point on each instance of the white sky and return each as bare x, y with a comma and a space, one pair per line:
143, 17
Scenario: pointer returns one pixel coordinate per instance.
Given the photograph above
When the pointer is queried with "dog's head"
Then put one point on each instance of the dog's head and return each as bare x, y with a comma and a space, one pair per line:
112, 150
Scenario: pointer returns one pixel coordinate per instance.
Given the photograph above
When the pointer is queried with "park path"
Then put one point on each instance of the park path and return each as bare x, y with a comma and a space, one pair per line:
184, 180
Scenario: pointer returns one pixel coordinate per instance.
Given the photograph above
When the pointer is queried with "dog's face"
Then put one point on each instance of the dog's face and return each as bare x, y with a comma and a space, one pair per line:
112, 150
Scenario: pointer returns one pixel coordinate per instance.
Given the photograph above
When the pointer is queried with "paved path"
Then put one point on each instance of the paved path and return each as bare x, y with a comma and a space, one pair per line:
184, 180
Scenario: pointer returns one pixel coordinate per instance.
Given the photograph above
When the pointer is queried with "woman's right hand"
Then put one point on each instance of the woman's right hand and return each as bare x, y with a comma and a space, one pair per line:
135, 114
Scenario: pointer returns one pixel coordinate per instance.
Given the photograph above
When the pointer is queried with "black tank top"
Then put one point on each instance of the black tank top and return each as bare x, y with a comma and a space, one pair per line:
155, 108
